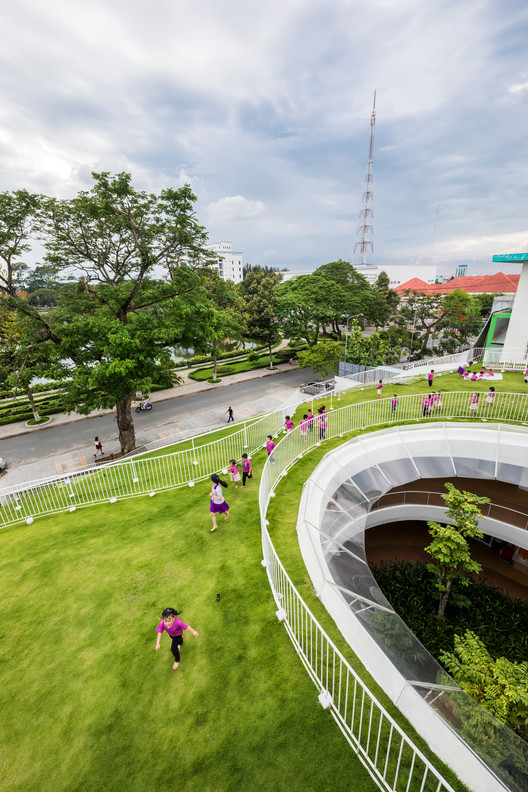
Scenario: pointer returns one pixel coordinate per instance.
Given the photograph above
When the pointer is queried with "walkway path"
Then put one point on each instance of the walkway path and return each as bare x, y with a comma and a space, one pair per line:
171, 427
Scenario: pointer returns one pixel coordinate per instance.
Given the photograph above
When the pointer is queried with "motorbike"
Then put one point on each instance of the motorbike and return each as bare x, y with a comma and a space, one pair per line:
144, 405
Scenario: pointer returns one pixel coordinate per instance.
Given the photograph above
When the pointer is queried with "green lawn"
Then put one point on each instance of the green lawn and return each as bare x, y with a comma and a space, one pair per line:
88, 704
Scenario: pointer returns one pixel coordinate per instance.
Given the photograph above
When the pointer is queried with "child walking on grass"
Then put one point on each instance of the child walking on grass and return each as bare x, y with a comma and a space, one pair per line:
218, 502
246, 469
234, 475
174, 628
270, 446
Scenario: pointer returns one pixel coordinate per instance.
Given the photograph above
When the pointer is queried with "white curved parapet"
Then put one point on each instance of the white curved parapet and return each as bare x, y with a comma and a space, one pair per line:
333, 517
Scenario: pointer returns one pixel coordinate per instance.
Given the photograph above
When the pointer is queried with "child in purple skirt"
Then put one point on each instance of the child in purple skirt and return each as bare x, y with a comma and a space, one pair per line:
218, 502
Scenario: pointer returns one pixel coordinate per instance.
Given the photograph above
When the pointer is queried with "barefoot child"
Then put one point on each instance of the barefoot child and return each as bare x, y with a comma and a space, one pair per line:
174, 628
218, 502
234, 475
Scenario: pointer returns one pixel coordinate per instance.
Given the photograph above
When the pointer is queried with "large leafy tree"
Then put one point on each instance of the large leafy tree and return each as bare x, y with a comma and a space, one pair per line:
225, 315
450, 319
133, 261
449, 549
259, 291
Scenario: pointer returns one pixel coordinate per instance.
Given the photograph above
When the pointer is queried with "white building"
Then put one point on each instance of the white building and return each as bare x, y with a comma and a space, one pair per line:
398, 273
227, 262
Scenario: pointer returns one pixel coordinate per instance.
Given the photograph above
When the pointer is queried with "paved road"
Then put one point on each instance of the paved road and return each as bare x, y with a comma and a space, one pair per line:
70, 446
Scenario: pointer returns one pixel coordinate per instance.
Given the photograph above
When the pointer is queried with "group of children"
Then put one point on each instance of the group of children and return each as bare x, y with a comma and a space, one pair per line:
307, 422
464, 373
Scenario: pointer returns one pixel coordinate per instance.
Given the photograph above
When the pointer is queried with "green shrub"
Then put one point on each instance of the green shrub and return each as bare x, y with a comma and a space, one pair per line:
253, 357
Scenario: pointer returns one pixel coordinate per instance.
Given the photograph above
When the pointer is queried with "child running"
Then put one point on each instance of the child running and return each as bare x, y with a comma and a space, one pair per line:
218, 502
490, 398
246, 469
379, 386
270, 446
288, 424
174, 628
234, 475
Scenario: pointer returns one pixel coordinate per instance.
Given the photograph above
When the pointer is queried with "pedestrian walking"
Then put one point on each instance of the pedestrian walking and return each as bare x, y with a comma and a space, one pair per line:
270, 446
394, 403
174, 628
98, 447
430, 378
230, 412
379, 386
247, 469
218, 502
234, 475
303, 426
310, 418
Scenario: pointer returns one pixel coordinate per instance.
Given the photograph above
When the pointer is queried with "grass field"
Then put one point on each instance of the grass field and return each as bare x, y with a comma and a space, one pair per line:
88, 704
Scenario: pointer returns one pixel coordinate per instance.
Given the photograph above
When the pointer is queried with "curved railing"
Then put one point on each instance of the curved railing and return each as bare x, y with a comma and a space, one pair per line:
495, 511
145, 476
391, 758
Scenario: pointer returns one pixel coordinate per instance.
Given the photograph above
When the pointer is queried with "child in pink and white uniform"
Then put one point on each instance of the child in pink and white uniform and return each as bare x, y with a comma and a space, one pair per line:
394, 404
234, 475
303, 426
174, 628
288, 424
379, 386
473, 404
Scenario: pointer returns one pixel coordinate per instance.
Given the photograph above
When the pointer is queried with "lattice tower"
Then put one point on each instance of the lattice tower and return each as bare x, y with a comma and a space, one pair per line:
365, 230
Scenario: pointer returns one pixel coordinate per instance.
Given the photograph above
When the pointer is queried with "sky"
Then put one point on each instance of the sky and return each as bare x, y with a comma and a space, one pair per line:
264, 109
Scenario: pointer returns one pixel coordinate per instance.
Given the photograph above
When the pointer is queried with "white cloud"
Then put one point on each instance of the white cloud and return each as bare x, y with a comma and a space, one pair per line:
519, 88
234, 208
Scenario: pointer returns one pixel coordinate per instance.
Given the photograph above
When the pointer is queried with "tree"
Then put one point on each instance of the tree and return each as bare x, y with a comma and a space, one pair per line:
225, 315
117, 319
260, 298
500, 685
307, 306
450, 318
356, 295
452, 562
390, 296
323, 357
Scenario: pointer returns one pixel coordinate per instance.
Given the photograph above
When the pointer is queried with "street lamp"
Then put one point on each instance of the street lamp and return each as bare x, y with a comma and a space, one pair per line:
347, 317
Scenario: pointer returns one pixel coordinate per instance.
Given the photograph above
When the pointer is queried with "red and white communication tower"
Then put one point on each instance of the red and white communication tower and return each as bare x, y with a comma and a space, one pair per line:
365, 230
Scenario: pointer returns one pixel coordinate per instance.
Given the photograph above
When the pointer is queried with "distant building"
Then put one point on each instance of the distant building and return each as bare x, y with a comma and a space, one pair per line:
500, 283
461, 271
398, 273
227, 262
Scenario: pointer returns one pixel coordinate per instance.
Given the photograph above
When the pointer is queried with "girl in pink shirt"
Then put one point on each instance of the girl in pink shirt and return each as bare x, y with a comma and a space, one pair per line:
473, 404
303, 426
270, 445
234, 475
379, 386
288, 423
174, 628
246, 469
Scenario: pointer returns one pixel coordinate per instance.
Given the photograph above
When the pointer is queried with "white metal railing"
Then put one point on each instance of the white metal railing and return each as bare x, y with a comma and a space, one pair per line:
493, 511
391, 758
142, 476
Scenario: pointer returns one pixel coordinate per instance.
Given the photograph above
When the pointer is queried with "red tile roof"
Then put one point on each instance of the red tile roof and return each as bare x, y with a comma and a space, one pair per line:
474, 284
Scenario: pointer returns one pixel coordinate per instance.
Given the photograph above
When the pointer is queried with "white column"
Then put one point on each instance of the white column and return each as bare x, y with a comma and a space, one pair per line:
516, 342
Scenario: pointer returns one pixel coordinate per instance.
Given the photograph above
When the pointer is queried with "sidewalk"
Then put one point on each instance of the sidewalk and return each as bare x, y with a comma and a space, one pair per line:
187, 388
168, 432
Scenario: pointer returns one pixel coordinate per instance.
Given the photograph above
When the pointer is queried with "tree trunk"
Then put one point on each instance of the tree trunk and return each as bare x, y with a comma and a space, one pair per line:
444, 596
125, 424
32, 404
214, 367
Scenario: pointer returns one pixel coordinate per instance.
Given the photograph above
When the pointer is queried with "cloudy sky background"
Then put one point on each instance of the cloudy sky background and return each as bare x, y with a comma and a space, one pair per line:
265, 112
